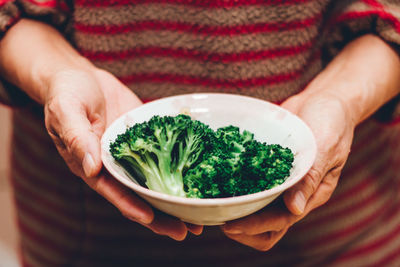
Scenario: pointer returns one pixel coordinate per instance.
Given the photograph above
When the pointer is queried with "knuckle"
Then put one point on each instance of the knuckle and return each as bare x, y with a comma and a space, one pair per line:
264, 246
313, 179
49, 112
71, 141
52, 107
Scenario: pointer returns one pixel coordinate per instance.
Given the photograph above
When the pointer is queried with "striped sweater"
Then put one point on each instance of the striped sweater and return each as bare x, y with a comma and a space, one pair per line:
268, 49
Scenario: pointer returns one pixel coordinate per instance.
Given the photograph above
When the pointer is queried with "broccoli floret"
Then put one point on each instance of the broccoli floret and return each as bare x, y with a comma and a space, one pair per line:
264, 166
162, 149
238, 165
212, 176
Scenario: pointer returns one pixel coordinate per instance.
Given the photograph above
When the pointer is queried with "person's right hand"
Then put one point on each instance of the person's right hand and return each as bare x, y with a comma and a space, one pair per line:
79, 105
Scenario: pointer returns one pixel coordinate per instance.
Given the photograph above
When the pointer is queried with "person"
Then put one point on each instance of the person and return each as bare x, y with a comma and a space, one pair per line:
69, 68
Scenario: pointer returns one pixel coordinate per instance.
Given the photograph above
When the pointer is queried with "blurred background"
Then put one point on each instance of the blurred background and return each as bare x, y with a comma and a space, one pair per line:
8, 232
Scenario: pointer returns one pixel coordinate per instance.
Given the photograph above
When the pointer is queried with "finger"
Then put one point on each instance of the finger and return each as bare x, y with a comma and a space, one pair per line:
262, 242
169, 226
75, 137
194, 228
136, 209
121, 197
296, 197
324, 191
273, 218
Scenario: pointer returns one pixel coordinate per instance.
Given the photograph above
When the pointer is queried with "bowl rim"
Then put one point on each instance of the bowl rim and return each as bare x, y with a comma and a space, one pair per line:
203, 202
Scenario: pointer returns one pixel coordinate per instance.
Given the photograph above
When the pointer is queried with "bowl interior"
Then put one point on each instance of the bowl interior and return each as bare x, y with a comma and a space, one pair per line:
270, 123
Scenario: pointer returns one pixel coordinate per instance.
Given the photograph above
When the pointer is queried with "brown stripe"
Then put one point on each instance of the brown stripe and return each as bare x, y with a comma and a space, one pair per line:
335, 241
38, 255
320, 232
375, 235
32, 9
358, 6
61, 211
195, 3
214, 70
33, 127
388, 33
348, 183
201, 16
51, 230
32, 257
369, 195
34, 157
391, 6
210, 44
364, 131
274, 93
9, 12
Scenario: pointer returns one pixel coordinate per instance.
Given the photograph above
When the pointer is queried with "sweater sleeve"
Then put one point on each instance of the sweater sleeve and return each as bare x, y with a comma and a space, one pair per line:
349, 19
11, 11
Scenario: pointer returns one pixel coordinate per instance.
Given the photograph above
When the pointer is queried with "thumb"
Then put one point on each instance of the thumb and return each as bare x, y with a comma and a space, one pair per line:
76, 131
296, 198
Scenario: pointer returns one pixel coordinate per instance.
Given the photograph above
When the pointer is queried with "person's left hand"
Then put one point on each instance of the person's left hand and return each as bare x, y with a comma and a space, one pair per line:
333, 129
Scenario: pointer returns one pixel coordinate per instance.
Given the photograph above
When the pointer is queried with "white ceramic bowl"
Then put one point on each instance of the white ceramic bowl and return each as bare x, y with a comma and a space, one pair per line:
268, 122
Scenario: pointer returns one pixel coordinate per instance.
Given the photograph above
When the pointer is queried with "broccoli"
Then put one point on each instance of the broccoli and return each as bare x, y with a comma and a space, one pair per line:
219, 172
162, 149
238, 165
264, 166
184, 157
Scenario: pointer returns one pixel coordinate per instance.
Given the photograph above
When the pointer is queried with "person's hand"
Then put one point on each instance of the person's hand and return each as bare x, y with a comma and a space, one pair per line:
79, 105
333, 129
359, 80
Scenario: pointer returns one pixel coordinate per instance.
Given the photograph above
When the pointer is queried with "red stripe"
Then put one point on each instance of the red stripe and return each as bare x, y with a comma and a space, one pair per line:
45, 4
3, 2
394, 122
65, 193
373, 3
392, 257
47, 222
195, 54
29, 257
376, 195
216, 83
38, 133
13, 20
366, 141
208, 30
46, 246
195, 3
376, 244
62, 194
353, 191
366, 158
384, 14
204, 81
26, 153
353, 229
365, 14
51, 205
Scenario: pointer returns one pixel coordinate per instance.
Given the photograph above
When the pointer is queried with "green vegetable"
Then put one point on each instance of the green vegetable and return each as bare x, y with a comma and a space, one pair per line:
184, 157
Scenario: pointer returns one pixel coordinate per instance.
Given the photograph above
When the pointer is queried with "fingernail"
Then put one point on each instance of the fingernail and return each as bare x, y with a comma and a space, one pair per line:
143, 221
234, 231
299, 202
88, 164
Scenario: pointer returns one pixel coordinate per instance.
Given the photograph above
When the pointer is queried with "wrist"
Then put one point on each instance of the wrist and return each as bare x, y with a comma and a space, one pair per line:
45, 76
32, 53
363, 77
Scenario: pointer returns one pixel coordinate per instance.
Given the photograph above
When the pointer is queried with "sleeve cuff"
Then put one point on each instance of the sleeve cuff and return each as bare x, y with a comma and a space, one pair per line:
52, 12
